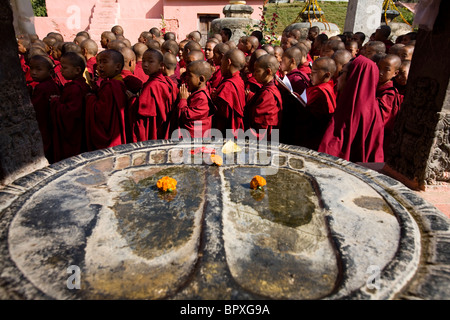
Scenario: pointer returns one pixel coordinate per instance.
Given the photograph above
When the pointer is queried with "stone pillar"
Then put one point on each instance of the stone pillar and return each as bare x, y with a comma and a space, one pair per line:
21, 150
363, 16
420, 149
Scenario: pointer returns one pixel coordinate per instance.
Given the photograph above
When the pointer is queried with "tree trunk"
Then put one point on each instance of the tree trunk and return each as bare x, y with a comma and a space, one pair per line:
21, 149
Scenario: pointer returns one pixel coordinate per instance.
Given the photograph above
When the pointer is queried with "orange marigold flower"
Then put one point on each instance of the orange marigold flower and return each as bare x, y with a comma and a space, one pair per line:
217, 160
166, 184
257, 182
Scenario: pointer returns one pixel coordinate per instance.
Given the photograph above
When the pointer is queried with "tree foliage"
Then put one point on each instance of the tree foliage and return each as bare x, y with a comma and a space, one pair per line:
39, 8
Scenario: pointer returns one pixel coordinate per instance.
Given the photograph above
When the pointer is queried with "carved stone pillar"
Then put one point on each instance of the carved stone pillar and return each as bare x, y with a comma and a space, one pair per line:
420, 148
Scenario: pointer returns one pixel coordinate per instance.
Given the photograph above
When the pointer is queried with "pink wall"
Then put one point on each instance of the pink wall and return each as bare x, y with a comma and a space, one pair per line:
135, 15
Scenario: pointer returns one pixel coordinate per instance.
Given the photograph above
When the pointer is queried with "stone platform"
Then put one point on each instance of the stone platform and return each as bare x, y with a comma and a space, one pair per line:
322, 228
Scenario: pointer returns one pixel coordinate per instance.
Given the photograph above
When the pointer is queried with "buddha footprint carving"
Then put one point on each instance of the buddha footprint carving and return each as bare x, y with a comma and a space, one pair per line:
276, 240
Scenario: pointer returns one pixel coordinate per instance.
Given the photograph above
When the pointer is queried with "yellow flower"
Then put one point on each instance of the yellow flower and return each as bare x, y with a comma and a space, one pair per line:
216, 159
166, 184
257, 182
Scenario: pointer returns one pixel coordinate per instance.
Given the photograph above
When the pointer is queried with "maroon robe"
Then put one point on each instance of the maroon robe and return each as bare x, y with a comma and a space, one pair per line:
230, 102
319, 110
252, 86
389, 100
195, 113
299, 81
216, 78
139, 72
306, 69
59, 79
106, 115
133, 83
91, 65
356, 130
151, 112
68, 119
40, 98
263, 111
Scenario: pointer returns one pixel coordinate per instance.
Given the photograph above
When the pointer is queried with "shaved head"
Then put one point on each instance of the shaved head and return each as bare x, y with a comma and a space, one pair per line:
75, 60
170, 46
268, 61
117, 45
254, 57
192, 46
268, 48
394, 60
326, 64
156, 54
139, 49
170, 61
153, 44
253, 41
237, 58
200, 68
294, 53
115, 56
195, 55
117, 30
109, 35
128, 54
342, 56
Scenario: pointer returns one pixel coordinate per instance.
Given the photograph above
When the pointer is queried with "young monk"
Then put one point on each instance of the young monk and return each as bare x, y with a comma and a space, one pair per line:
67, 111
151, 112
196, 108
292, 58
106, 37
374, 47
230, 95
355, 132
41, 71
330, 47
169, 67
321, 103
106, 110
401, 79
352, 47
388, 97
139, 50
263, 111
89, 49
218, 52
406, 52
305, 63
251, 45
209, 51
133, 83
251, 84
341, 58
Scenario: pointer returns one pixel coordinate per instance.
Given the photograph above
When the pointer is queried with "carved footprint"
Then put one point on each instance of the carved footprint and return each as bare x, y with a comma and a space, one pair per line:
276, 241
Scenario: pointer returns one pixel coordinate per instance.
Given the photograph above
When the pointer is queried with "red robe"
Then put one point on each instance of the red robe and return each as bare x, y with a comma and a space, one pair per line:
216, 78
252, 86
106, 115
230, 104
299, 81
319, 110
133, 83
40, 98
389, 100
195, 113
263, 111
59, 79
356, 130
68, 119
151, 112
91, 65
139, 72
306, 69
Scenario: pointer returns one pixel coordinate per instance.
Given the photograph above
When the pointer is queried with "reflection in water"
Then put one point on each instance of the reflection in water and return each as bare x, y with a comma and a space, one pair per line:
153, 221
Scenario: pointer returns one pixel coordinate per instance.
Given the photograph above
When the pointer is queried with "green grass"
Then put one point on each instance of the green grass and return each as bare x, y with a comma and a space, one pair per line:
334, 12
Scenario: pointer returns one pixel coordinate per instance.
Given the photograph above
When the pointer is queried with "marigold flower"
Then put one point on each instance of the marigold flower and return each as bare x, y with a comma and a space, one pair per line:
166, 184
216, 159
257, 182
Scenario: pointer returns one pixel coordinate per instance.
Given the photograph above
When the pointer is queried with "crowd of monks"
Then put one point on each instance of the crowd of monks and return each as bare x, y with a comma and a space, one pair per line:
339, 95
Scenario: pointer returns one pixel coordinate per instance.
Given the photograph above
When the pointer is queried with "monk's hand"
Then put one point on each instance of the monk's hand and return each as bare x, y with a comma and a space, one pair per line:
184, 93
53, 96
214, 94
130, 94
247, 91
